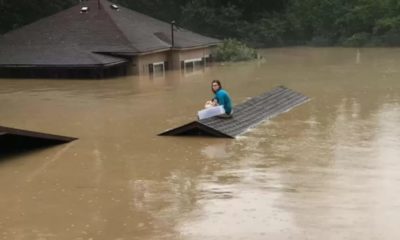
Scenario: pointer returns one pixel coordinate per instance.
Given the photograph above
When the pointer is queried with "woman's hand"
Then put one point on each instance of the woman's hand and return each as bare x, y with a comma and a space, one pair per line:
209, 104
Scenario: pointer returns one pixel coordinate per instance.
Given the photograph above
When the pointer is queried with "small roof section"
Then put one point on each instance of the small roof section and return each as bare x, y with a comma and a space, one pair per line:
37, 135
75, 37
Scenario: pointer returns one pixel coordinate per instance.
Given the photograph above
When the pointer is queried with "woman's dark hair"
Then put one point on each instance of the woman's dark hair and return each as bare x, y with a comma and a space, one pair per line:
217, 82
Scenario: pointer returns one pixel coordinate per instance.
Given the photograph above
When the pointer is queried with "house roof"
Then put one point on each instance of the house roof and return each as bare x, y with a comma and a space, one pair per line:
14, 140
245, 115
71, 38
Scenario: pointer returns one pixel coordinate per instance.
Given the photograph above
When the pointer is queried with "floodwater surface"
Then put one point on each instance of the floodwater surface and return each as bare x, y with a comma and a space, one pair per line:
329, 169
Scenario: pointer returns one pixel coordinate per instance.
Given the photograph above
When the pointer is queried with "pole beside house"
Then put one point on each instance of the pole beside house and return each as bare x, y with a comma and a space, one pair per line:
172, 34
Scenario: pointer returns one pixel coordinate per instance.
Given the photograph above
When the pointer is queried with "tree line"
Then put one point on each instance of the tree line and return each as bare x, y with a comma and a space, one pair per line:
259, 23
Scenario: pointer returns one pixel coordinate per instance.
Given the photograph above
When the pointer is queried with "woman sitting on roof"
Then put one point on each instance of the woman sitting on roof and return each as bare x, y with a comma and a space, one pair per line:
221, 98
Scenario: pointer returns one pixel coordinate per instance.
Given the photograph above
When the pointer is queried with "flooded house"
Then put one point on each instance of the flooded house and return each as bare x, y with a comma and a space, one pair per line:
96, 39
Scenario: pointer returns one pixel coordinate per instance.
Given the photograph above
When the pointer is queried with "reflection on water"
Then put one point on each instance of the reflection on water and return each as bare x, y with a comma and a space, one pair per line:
326, 170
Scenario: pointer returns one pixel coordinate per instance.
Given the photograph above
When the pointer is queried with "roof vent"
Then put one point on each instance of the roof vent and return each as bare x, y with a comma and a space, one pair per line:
84, 9
114, 7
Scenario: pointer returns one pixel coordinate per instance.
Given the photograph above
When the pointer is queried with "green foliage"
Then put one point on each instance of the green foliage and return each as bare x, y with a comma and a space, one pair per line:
387, 24
314, 22
218, 22
392, 38
357, 40
232, 50
269, 32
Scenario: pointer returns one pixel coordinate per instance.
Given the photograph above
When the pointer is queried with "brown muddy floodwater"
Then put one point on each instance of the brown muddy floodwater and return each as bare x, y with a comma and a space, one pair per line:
329, 169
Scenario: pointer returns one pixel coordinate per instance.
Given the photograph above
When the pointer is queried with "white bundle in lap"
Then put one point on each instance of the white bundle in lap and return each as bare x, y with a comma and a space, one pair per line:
210, 112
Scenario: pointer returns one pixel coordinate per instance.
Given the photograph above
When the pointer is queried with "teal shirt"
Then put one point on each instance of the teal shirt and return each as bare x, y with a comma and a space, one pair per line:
224, 99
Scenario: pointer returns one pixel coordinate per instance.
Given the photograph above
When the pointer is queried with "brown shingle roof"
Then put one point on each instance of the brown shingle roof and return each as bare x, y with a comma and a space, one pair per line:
72, 38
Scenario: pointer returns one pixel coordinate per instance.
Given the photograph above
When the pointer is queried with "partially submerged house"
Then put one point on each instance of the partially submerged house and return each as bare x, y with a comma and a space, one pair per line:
97, 38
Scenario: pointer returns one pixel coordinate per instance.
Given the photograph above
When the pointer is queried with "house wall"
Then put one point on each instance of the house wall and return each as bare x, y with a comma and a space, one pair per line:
140, 64
195, 53
177, 56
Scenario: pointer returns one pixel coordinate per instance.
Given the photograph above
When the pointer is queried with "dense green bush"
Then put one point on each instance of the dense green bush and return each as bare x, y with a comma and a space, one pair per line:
297, 22
232, 50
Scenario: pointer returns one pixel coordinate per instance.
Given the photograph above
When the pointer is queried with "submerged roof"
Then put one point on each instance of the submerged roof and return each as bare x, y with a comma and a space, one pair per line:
245, 115
30, 134
18, 140
72, 37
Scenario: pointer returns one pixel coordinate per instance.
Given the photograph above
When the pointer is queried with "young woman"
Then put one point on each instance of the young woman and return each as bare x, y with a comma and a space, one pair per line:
221, 98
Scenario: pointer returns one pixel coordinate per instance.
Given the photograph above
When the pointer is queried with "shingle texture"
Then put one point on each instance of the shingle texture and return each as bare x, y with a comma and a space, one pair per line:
245, 115
73, 38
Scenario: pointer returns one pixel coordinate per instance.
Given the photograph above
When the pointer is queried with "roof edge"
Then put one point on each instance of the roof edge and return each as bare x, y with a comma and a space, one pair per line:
61, 66
160, 50
195, 127
21, 132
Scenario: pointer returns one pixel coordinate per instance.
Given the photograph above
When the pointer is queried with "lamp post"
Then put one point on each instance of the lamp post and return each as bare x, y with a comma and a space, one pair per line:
172, 33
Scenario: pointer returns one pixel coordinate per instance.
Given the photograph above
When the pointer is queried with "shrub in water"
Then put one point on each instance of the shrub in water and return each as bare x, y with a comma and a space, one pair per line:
392, 38
232, 50
320, 41
357, 40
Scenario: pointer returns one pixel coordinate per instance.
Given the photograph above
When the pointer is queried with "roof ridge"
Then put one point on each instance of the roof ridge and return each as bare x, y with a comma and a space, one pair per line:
108, 11
115, 24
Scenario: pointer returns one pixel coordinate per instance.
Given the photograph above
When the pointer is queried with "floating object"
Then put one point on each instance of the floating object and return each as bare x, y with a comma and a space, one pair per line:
245, 115
114, 7
84, 9
210, 112
12, 139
